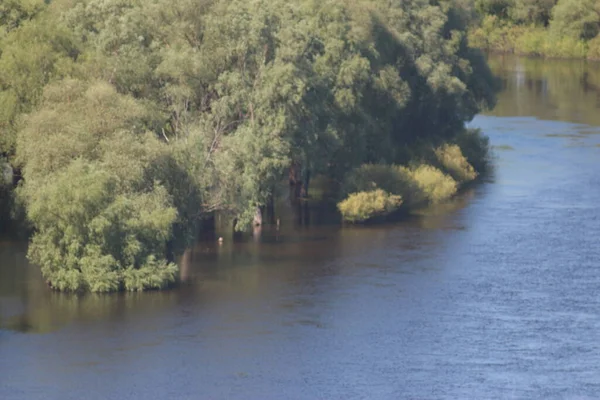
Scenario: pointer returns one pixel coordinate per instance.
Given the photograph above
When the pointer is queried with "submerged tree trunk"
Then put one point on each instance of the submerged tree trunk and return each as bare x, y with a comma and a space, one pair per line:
258, 219
269, 209
295, 180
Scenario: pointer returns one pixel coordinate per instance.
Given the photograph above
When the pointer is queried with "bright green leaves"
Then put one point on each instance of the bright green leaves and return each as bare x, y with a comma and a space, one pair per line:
90, 235
91, 191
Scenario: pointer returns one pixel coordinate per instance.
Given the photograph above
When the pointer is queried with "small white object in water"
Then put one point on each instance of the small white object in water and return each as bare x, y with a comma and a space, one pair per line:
220, 240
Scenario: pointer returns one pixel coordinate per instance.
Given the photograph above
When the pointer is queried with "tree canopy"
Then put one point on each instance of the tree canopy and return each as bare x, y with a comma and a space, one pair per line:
131, 120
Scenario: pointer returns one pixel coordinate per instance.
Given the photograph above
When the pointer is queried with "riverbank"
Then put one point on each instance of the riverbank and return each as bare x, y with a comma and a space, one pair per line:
149, 133
496, 35
374, 192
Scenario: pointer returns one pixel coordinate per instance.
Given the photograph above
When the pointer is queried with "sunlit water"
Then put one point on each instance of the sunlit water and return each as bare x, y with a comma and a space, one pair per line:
494, 295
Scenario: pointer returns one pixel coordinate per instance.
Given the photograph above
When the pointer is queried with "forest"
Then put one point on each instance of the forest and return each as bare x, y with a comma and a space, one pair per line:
125, 125
546, 28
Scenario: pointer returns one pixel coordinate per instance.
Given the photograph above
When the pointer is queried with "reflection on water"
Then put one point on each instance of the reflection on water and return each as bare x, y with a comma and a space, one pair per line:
244, 265
565, 90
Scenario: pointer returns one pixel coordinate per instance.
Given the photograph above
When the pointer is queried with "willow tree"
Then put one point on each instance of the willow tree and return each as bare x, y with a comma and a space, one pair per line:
34, 50
102, 216
167, 111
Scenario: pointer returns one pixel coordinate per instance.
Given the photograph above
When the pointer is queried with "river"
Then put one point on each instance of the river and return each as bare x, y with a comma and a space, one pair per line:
493, 295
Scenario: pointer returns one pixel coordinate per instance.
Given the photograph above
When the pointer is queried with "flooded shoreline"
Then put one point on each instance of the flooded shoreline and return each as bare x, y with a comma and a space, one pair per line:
493, 295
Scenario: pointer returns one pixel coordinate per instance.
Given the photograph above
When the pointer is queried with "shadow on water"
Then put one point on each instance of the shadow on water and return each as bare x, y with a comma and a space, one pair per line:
299, 252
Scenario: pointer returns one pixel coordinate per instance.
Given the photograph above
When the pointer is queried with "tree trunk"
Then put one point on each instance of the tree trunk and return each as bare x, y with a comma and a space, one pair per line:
295, 179
258, 220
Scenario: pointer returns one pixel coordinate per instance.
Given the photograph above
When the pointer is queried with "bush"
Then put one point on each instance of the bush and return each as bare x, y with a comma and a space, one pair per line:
475, 146
564, 47
362, 206
593, 52
452, 161
577, 19
394, 179
495, 34
92, 236
532, 41
435, 185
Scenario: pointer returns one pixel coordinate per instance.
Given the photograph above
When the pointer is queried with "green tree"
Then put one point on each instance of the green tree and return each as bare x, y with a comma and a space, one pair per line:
578, 19
102, 217
137, 119
34, 50
499, 8
536, 12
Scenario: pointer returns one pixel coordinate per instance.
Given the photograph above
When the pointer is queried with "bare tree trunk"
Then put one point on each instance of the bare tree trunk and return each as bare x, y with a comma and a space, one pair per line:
258, 219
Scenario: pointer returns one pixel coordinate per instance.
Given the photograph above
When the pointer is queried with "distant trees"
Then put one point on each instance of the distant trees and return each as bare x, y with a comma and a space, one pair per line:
132, 120
577, 19
551, 28
517, 11
537, 12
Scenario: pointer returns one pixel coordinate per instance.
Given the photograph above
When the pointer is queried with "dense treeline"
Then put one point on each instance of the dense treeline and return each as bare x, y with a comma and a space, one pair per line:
129, 121
549, 28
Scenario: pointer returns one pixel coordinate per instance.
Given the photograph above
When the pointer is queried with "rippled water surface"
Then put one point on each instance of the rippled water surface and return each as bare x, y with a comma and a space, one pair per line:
494, 295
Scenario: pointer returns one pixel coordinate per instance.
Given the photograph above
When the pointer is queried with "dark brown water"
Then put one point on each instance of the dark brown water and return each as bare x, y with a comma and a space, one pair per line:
494, 295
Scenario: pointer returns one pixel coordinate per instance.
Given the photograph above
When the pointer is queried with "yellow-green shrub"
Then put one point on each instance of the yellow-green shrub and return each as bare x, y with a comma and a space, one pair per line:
564, 47
435, 185
593, 52
498, 35
495, 34
454, 163
394, 179
532, 41
362, 206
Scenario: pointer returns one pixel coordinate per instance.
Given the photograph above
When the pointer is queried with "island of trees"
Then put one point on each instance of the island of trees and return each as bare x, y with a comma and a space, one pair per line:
124, 124
547, 28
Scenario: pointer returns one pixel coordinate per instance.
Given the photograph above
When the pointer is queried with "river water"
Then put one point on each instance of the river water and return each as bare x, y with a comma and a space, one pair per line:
493, 295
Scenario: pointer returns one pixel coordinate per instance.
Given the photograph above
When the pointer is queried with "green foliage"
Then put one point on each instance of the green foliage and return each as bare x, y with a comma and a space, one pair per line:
422, 183
495, 34
547, 28
535, 12
13, 13
102, 218
475, 147
564, 47
33, 52
532, 41
394, 179
435, 185
90, 235
149, 116
577, 19
362, 206
5, 192
452, 161
593, 52
497, 8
